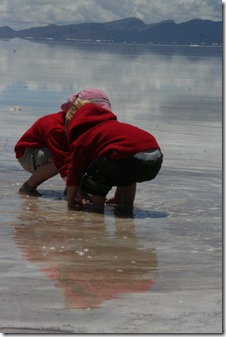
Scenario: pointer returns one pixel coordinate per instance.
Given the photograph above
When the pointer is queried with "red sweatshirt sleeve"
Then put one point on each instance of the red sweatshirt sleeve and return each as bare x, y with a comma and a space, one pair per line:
80, 158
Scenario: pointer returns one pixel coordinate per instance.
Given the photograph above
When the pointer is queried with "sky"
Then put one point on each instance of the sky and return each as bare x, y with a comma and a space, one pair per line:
20, 14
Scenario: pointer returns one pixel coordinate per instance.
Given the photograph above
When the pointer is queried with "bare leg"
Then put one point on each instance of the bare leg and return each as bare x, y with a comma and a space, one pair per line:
98, 203
128, 196
117, 198
42, 174
124, 196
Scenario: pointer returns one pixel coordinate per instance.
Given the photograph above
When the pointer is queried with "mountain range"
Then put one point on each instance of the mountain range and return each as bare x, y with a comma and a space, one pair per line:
130, 30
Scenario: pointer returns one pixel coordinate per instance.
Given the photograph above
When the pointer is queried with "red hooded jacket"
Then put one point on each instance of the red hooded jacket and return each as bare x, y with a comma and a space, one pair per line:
48, 131
94, 132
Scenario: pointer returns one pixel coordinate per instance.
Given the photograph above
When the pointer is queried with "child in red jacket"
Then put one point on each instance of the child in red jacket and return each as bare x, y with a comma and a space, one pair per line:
43, 151
106, 153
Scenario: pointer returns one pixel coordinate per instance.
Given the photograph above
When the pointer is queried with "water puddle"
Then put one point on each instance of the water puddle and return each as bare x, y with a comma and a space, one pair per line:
91, 257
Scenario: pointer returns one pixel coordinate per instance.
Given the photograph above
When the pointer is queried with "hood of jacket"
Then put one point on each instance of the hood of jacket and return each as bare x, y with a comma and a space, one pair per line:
87, 117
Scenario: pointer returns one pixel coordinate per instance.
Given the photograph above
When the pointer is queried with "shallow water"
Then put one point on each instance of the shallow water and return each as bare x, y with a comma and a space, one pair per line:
155, 270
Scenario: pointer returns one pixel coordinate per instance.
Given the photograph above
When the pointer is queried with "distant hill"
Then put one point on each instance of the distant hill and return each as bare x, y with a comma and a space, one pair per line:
131, 30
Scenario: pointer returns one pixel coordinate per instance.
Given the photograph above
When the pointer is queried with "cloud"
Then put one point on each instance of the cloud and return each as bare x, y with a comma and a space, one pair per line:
27, 13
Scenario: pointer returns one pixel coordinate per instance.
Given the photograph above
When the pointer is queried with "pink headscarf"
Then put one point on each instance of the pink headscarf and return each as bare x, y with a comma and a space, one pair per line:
97, 96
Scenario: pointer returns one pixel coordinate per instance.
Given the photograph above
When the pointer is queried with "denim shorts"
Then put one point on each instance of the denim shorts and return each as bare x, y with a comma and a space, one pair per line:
103, 173
33, 158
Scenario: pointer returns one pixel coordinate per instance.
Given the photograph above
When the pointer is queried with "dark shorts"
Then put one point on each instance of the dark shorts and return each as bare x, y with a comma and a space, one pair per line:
104, 173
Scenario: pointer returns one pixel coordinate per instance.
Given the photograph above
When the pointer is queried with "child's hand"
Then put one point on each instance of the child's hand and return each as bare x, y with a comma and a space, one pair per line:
81, 197
76, 196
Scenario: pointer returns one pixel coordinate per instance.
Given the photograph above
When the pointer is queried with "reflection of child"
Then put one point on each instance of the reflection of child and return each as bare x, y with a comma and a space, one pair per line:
43, 151
106, 153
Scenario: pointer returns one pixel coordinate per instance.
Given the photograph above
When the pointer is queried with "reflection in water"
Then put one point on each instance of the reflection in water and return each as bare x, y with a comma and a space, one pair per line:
89, 259
140, 80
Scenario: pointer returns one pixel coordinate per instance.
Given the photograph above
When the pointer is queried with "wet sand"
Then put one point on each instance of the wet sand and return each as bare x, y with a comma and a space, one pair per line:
157, 270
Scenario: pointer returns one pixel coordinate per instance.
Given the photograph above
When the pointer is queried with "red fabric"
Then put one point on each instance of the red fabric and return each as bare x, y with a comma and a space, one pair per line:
94, 132
48, 131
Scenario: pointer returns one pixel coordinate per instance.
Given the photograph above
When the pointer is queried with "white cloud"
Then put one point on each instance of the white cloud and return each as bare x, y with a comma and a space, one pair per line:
27, 13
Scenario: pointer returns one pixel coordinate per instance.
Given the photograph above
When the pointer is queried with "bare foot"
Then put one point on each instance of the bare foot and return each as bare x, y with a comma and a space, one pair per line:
96, 209
113, 201
26, 189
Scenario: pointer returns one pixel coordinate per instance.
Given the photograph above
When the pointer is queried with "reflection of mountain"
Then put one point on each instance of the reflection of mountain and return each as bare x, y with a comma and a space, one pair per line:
89, 263
129, 30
